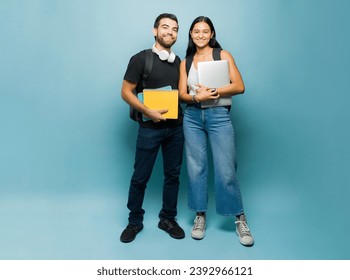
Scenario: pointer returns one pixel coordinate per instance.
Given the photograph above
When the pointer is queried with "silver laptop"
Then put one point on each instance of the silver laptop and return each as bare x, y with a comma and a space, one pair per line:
214, 74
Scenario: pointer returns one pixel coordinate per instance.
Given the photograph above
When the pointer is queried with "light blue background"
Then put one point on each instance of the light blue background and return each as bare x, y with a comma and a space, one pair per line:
67, 144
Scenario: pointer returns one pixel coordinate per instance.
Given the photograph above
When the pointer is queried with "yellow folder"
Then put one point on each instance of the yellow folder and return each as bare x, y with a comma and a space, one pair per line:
162, 99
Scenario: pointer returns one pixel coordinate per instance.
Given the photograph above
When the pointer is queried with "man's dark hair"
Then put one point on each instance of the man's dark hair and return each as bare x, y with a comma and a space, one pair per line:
165, 15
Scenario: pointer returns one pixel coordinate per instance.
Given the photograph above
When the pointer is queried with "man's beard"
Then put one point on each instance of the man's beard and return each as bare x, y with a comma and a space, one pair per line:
165, 44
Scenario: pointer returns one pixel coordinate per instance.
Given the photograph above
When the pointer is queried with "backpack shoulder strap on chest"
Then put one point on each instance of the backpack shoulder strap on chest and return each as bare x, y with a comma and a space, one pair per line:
216, 53
148, 66
134, 114
189, 60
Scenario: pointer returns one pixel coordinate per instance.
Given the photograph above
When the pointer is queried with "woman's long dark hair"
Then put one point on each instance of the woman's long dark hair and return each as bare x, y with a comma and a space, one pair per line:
191, 48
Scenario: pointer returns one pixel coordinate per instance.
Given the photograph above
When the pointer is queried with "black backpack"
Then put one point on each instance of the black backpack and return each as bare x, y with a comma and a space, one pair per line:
134, 114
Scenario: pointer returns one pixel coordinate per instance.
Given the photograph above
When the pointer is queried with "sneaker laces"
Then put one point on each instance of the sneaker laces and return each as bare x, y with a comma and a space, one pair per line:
171, 223
199, 223
243, 228
133, 227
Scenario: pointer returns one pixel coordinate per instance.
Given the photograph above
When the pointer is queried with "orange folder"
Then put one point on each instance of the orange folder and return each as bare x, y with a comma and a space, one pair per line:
162, 99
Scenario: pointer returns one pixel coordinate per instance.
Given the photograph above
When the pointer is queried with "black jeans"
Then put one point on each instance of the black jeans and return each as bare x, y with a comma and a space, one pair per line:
149, 140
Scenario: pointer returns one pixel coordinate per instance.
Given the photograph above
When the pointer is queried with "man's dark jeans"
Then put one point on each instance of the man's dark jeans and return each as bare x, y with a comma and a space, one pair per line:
149, 140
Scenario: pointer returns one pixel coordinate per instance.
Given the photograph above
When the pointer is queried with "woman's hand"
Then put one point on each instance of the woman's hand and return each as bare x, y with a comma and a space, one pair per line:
204, 93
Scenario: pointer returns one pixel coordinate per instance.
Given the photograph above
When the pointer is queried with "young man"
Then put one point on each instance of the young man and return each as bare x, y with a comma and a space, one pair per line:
156, 132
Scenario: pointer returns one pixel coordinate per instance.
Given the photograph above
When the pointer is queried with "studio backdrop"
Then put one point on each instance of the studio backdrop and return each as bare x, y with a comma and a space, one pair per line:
67, 144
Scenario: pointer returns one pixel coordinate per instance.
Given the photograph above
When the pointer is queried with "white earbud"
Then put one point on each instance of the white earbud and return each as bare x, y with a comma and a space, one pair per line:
164, 55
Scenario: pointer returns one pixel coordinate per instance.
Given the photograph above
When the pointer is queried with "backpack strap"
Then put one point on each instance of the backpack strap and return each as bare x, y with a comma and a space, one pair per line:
134, 114
189, 59
148, 67
216, 53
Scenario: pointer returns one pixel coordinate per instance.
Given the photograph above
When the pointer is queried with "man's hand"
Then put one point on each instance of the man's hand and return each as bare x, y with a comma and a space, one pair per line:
156, 115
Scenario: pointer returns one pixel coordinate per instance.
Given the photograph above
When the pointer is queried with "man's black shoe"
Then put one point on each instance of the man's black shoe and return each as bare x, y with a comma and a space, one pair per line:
171, 227
130, 233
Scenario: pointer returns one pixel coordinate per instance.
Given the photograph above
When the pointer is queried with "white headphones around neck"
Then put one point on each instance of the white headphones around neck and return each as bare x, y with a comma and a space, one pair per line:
164, 55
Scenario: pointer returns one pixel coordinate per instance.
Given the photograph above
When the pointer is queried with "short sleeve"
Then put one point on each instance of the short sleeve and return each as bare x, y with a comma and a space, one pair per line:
135, 68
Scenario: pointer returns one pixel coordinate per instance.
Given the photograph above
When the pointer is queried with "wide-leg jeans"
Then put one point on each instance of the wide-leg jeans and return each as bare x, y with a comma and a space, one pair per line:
211, 125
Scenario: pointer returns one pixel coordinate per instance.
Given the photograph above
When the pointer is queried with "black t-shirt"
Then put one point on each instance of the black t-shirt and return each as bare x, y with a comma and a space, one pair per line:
163, 74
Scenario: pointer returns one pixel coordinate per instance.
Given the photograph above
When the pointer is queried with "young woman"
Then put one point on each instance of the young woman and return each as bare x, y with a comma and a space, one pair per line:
213, 124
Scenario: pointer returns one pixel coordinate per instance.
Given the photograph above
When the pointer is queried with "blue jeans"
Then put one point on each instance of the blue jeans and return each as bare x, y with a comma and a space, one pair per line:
213, 124
149, 140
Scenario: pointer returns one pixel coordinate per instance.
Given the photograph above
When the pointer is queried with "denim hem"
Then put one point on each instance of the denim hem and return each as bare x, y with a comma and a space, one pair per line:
230, 214
135, 224
197, 210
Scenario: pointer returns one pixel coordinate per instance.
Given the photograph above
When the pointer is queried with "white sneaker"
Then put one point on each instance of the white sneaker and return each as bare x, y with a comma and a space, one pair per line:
243, 232
198, 229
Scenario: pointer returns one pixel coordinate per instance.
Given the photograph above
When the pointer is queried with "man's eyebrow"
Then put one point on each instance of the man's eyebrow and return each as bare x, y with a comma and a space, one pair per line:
167, 25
